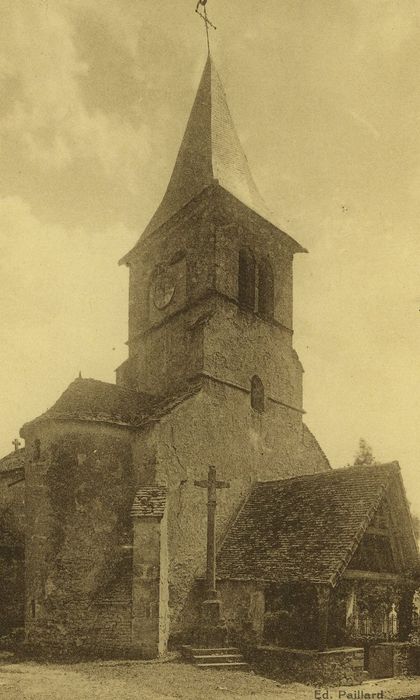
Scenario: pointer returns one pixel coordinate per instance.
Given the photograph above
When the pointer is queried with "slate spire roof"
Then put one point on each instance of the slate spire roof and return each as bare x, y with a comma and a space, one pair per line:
210, 152
308, 528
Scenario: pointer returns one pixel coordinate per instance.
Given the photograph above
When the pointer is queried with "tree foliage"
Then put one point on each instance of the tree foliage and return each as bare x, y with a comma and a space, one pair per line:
364, 455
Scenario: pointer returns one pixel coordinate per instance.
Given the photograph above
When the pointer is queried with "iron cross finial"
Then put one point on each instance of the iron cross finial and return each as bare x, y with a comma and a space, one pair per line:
207, 23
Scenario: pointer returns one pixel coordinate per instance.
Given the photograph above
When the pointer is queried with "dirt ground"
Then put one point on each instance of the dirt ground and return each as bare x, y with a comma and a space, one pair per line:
152, 681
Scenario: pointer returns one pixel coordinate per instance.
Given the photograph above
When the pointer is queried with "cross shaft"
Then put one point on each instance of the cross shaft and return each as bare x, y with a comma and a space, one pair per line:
211, 484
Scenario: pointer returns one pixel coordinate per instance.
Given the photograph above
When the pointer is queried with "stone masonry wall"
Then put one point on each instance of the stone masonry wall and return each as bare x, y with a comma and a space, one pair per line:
218, 427
201, 249
237, 227
78, 560
190, 237
243, 607
162, 350
12, 538
394, 659
342, 666
150, 585
238, 345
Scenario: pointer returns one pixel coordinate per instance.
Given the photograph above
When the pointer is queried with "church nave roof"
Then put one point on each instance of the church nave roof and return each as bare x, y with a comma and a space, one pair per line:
91, 400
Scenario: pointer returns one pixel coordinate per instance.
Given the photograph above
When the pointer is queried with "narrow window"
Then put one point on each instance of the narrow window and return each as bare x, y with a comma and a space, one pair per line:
257, 394
33, 609
37, 449
265, 289
246, 279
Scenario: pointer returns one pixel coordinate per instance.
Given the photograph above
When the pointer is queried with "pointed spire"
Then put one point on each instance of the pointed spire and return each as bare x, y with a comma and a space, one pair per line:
210, 152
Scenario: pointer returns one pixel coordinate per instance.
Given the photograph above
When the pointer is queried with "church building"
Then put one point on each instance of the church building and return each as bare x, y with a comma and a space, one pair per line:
100, 508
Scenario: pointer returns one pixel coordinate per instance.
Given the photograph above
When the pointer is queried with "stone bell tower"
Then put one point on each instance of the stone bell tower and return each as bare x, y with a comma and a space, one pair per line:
211, 277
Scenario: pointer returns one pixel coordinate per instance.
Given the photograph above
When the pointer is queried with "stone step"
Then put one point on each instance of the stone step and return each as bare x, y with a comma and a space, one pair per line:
234, 665
197, 651
216, 658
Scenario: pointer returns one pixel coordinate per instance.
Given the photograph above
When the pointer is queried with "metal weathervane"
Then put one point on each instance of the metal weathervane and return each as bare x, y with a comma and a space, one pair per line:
203, 15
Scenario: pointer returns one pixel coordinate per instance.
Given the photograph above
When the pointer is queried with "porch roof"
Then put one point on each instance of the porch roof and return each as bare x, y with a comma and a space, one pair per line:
308, 528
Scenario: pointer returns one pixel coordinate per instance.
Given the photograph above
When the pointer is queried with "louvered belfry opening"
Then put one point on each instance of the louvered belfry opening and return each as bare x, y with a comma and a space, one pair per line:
265, 289
246, 279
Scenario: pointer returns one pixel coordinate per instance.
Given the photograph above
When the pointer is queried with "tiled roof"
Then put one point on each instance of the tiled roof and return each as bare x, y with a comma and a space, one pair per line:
306, 528
149, 501
95, 401
13, 461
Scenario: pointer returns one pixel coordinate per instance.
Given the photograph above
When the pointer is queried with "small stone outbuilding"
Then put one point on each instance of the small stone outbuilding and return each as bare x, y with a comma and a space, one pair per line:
322, 561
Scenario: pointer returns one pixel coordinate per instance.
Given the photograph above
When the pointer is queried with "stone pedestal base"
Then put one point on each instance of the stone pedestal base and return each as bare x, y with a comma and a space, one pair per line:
211, 611
212, 630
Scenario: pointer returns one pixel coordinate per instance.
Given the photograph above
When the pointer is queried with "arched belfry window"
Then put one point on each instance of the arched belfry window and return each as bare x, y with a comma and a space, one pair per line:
257, 394
246, 279
265, 289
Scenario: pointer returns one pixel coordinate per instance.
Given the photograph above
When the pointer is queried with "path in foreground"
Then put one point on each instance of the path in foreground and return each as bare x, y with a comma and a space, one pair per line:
160, 681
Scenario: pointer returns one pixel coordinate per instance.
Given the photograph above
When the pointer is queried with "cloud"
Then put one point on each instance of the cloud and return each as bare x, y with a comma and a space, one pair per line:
61, 307
384, 25
364, 122
47, 268
49, 120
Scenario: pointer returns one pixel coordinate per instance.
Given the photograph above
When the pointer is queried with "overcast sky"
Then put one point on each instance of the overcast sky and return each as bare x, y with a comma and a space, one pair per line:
94, 97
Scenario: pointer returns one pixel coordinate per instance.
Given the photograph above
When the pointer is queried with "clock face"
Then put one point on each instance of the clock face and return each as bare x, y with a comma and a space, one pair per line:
163, 288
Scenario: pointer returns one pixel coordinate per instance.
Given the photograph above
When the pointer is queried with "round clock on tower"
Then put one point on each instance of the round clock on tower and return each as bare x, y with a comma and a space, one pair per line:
163, 287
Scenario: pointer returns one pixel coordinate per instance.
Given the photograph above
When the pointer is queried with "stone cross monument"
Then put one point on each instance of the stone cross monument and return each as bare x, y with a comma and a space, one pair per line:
212, 630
